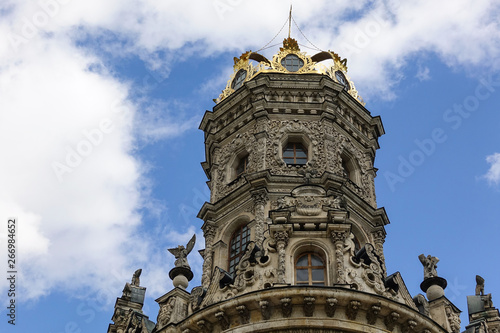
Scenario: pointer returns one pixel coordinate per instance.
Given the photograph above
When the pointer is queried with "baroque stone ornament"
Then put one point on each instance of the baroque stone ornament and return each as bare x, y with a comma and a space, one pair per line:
409, 326
166, 310
352, 309
205, 326
223, 319
286, 307
391, 320
265, 309
260, 199
338, 236
244, 314
309, 306
331, 306
281, 239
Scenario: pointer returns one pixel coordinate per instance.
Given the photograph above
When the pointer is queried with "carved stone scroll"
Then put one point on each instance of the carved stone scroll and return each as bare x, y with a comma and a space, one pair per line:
260, 199
223, 319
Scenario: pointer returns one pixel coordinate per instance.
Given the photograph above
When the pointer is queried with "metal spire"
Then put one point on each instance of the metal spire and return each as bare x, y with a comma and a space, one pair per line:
290, 21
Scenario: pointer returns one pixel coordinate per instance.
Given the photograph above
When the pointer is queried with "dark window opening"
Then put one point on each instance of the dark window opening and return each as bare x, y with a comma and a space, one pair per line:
295, 153
292, 63
237, 245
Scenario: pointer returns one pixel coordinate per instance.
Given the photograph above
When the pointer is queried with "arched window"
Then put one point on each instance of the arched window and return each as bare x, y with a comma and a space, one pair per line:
295, 153
237, 245
350, 168
310, 270
242, 165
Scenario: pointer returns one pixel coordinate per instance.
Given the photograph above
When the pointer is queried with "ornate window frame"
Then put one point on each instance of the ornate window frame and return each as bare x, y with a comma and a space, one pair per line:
296, 138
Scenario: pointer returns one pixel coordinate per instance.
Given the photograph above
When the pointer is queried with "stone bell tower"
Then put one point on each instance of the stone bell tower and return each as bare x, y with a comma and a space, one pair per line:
294, 238
293, 235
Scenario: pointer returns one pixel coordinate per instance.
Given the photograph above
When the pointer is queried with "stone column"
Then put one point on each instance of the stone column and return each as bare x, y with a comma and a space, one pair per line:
338, 234
209, 232
260, 199
281, 238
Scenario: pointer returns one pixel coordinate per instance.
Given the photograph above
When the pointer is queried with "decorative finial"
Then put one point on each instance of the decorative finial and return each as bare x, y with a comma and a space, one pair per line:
135, 278
430, 265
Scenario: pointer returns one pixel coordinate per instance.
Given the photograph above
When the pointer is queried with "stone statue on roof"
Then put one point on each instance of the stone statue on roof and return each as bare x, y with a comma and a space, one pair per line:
135, 278
180, 253
430, 265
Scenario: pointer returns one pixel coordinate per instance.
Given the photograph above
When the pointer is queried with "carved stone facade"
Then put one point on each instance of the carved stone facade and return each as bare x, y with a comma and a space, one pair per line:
294, 241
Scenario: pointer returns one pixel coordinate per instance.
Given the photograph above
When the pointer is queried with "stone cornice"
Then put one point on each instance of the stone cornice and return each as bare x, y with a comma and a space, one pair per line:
311, 308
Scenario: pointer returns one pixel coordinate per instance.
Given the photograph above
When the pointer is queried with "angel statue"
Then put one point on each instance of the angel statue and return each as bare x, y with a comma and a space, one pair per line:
180, 252
135, 278
430, 265
479, 286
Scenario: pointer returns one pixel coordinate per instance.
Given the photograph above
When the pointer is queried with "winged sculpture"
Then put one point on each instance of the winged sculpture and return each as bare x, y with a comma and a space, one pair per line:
135, 278
430, 265
180, 253
479, 286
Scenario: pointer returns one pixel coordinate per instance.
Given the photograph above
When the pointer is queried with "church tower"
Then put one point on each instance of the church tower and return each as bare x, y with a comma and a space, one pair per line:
293, 235
294, 238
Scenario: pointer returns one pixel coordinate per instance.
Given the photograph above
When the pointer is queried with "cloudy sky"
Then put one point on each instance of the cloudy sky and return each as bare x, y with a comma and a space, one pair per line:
100, 104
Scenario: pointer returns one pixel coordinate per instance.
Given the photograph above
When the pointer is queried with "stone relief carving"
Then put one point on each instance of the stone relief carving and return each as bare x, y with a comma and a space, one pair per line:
281, 239
286, 307
372, 313
265, 309
222, 157
331, 306
352, 309
260, 199
244, 314
409, 326
391, 320
309, 306
166, 311
223, 319
453, 319
430, 265
205, 325
209, 232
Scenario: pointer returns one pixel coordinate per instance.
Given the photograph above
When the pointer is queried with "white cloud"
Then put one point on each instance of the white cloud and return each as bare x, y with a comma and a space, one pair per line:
493, 174
423, 73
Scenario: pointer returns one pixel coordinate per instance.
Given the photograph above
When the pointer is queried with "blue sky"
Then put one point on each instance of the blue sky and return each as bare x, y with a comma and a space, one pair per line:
127, 82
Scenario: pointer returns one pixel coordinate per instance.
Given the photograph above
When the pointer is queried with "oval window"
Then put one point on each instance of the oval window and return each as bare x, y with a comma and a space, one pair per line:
292, 63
